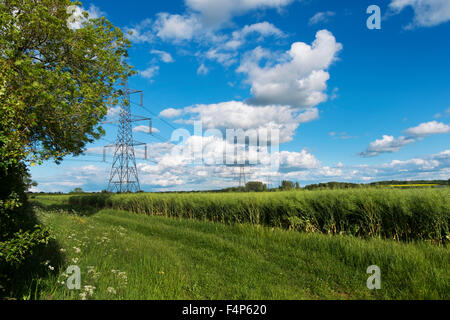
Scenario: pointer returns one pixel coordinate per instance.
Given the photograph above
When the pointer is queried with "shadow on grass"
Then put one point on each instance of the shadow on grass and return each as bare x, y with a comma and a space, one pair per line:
28, 280
80, 210
39, 259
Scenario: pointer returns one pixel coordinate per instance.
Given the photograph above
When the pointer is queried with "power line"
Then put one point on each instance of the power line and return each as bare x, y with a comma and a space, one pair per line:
157, 116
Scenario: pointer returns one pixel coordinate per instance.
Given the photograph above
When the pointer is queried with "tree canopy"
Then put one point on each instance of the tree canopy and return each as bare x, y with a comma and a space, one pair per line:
55, 80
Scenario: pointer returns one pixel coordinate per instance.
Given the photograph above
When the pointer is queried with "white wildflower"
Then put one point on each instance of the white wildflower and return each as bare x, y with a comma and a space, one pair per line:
89, 290
112, 290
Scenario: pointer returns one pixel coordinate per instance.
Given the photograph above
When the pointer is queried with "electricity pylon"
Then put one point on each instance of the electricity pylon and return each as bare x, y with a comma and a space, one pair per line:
124, 174
242, 176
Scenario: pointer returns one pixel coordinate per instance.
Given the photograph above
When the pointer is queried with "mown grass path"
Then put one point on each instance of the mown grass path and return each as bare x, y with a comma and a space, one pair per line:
129, 256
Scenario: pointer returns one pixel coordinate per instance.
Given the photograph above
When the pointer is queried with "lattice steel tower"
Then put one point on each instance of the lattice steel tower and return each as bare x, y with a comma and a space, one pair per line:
124, 174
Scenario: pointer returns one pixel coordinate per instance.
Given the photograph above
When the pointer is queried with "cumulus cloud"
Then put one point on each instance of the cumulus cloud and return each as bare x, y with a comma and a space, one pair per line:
429, 128
145, 129
224, 58
164, 56
202, 19
177, 27
218, 12
171, 113
113, 112
202, 70
427, 13
298, 160
175, 170
240, 115
264, 29
308, 115
141, 33
388, 144
150, 73
321, 17
225, 51
299, 79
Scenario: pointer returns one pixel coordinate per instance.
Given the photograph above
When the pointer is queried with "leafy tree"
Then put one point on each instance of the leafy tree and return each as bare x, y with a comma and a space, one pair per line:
77, 190
287, 185
55, 84
54, 81
255, 186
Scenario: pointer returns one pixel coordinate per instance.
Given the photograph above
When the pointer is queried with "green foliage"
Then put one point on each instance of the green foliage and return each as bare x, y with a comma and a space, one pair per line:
77, 191
20, 234
55, 82
15, 251
405, 215
255, 186
333, 185
287, 185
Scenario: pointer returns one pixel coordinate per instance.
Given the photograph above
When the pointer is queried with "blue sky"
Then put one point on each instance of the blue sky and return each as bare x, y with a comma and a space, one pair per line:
352, 104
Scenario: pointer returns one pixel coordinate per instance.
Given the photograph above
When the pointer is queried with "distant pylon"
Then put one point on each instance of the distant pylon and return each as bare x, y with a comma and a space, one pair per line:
124, 174
242, 176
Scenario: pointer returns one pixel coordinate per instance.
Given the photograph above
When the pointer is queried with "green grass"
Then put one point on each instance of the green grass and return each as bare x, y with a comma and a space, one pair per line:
155, 257
368, 212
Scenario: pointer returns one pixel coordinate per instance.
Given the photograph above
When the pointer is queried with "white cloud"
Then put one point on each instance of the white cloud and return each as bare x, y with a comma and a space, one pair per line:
145, 129
308, 115
229, 115
225, 50
164, 56
173, 171
422, 164
202, 70
427, 13
265, 29
218, 12
202, 19
224, 58
334, 94
150, 73
177, 27
295, 160
386, 145
141, 32
171, 113
299, 79
79, 18
428, 128
320, 17
113, 112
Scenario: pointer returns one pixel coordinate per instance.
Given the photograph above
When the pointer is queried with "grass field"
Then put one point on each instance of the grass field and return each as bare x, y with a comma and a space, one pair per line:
124, 255
414, 214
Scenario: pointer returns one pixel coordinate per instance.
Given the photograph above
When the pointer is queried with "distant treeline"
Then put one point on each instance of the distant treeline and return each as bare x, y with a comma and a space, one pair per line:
346, 185
256, 186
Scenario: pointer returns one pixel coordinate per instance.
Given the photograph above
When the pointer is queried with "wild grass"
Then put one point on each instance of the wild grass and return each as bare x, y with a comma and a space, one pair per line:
123, 255
404, 215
